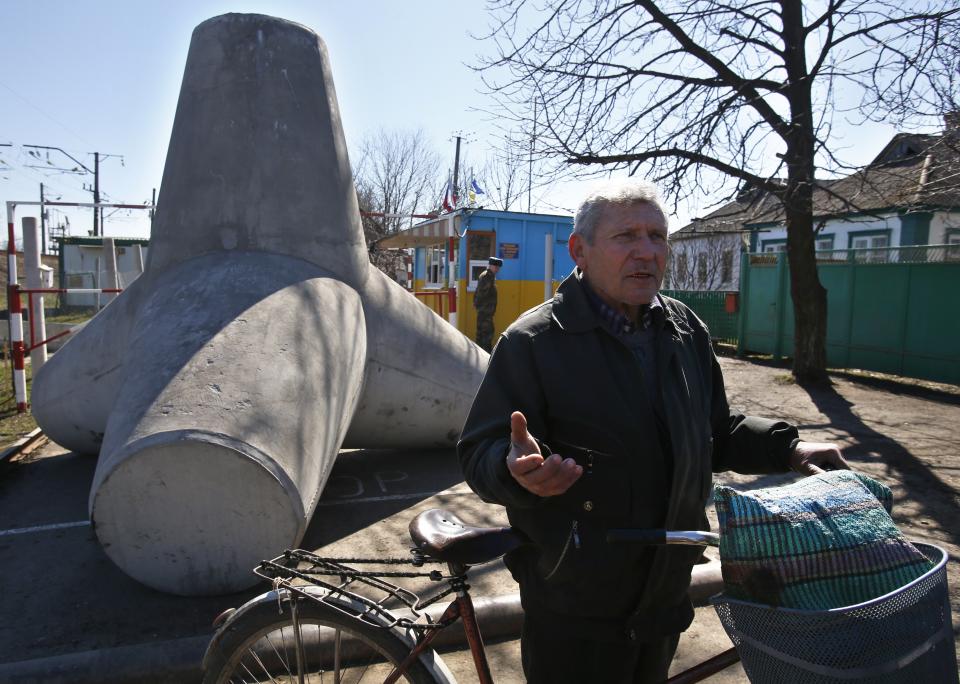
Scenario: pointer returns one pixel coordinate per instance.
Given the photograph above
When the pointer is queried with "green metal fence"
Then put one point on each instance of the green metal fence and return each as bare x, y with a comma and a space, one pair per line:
893, 310
711, 307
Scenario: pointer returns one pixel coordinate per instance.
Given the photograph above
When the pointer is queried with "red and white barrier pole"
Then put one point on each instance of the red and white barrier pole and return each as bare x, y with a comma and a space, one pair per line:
15, 313
16, 341
452, 280
11, 247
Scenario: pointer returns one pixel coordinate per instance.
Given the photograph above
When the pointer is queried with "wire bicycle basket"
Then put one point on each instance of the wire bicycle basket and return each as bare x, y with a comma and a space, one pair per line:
903, 636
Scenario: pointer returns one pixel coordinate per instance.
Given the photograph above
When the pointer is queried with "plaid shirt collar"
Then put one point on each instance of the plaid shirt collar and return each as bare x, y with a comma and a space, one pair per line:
613, 320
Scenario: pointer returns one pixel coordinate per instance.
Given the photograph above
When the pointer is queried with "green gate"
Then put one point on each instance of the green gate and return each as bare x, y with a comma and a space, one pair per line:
892, 310
711, 307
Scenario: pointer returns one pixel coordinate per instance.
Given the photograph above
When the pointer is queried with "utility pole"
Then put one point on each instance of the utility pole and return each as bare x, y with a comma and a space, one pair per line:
97, 213
153, 206
456, 172
533, 140
96, 192
43, 224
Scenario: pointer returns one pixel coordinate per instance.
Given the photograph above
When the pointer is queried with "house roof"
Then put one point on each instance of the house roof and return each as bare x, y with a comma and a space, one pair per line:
912, 172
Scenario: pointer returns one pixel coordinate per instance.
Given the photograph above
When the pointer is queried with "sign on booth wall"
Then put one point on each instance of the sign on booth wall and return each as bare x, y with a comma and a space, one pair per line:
509, 250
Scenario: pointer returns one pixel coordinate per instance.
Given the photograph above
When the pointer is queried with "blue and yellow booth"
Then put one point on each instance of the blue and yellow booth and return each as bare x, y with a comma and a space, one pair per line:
533, 248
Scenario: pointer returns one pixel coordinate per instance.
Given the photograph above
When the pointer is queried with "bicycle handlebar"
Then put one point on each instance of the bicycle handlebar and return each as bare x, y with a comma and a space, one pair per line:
661, 537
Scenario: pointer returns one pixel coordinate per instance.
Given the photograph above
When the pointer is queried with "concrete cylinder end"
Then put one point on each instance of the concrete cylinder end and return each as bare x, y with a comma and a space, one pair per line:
192, 514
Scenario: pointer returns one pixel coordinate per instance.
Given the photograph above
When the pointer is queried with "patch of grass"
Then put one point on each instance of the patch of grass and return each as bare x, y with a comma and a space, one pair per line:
784, 379
69, 317
13, 425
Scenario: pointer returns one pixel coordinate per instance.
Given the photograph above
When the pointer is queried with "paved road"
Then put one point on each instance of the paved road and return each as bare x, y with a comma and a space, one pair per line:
64, 599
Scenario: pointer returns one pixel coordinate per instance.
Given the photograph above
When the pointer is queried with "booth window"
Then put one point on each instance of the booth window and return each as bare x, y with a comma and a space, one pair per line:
436, 262
480, 247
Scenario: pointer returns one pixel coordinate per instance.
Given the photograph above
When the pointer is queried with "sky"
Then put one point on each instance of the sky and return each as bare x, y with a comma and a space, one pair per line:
104, 76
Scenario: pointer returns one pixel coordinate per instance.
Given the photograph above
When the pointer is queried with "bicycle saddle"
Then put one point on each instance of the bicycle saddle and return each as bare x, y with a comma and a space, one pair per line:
442, 535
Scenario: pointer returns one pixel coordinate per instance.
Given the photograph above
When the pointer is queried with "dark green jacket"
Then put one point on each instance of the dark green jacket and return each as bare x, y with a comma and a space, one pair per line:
485, 296
581, 391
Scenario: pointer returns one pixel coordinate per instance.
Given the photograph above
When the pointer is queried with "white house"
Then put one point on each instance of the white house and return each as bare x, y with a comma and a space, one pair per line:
909, 195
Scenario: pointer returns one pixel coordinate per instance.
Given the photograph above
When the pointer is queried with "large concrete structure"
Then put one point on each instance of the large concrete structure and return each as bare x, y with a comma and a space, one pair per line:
220, 386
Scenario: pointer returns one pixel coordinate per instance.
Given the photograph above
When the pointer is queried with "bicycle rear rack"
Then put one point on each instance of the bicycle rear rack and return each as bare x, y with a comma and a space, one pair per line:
360, 594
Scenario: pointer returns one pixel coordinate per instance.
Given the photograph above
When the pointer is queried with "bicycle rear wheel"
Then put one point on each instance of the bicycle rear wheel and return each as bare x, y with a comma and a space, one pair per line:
259, 644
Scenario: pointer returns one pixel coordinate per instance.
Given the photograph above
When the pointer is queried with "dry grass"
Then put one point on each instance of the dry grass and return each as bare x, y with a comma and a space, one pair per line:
13, 425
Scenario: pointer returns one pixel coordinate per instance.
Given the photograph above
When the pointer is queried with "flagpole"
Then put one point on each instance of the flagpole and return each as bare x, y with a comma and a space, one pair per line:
533, 138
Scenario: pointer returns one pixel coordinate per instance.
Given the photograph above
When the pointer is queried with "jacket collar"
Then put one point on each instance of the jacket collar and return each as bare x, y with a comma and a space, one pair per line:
572, 310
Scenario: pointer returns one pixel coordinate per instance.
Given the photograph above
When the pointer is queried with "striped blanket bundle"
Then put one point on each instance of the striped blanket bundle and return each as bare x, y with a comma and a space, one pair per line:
826, 541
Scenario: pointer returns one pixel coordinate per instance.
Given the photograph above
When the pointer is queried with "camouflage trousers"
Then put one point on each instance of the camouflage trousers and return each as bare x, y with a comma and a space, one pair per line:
485, 331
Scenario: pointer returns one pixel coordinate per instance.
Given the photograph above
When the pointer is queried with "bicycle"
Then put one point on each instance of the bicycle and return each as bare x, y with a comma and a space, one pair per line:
308, 627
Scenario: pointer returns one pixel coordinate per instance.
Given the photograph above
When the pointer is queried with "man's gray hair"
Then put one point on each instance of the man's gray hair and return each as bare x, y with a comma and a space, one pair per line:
623, 191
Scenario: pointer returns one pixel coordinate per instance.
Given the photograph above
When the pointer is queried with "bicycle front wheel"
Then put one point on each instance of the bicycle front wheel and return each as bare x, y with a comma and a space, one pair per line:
261, 643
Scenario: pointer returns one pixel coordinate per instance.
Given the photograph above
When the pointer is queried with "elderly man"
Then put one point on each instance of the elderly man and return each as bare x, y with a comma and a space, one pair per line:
605, 407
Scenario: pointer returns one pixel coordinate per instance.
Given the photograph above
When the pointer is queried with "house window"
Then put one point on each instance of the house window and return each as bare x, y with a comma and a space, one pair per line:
953, 250
726, 266
702, 270
871, 242
435, 261
773, 246
681, 269
825, 244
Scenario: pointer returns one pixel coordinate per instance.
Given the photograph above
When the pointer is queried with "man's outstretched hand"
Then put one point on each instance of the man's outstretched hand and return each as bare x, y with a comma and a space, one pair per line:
544, 477
811, 458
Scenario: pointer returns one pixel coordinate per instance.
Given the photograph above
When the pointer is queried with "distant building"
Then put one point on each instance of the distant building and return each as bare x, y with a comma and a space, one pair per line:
908, 195
533, 248
81, 265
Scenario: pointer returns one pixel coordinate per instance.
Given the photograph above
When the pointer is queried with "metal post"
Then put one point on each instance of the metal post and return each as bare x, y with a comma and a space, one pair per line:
533, 142
451, 277
31, 268
851, 306
456, 171
138, 259
110, 268
548, 266
11, 280
43, 224
96, 191
744, 301
781, 305
16, 343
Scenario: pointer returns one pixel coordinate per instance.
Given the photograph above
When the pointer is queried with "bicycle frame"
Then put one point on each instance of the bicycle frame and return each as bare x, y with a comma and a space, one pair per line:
461, 608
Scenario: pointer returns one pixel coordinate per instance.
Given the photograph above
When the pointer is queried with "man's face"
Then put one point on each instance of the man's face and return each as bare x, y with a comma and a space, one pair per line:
493, 268
625, 263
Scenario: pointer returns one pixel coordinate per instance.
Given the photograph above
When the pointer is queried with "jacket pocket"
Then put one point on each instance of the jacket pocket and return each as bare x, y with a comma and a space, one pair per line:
603, 491
591, 578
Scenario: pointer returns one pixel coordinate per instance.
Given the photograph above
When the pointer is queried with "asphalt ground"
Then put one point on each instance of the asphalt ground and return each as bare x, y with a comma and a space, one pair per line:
69, 615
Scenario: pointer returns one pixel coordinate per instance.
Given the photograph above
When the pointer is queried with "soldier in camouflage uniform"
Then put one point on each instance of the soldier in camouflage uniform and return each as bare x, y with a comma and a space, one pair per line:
485, 302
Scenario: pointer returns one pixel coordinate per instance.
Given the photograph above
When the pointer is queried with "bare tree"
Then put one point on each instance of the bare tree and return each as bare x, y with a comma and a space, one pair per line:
397, 175
702, 94
505, 174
